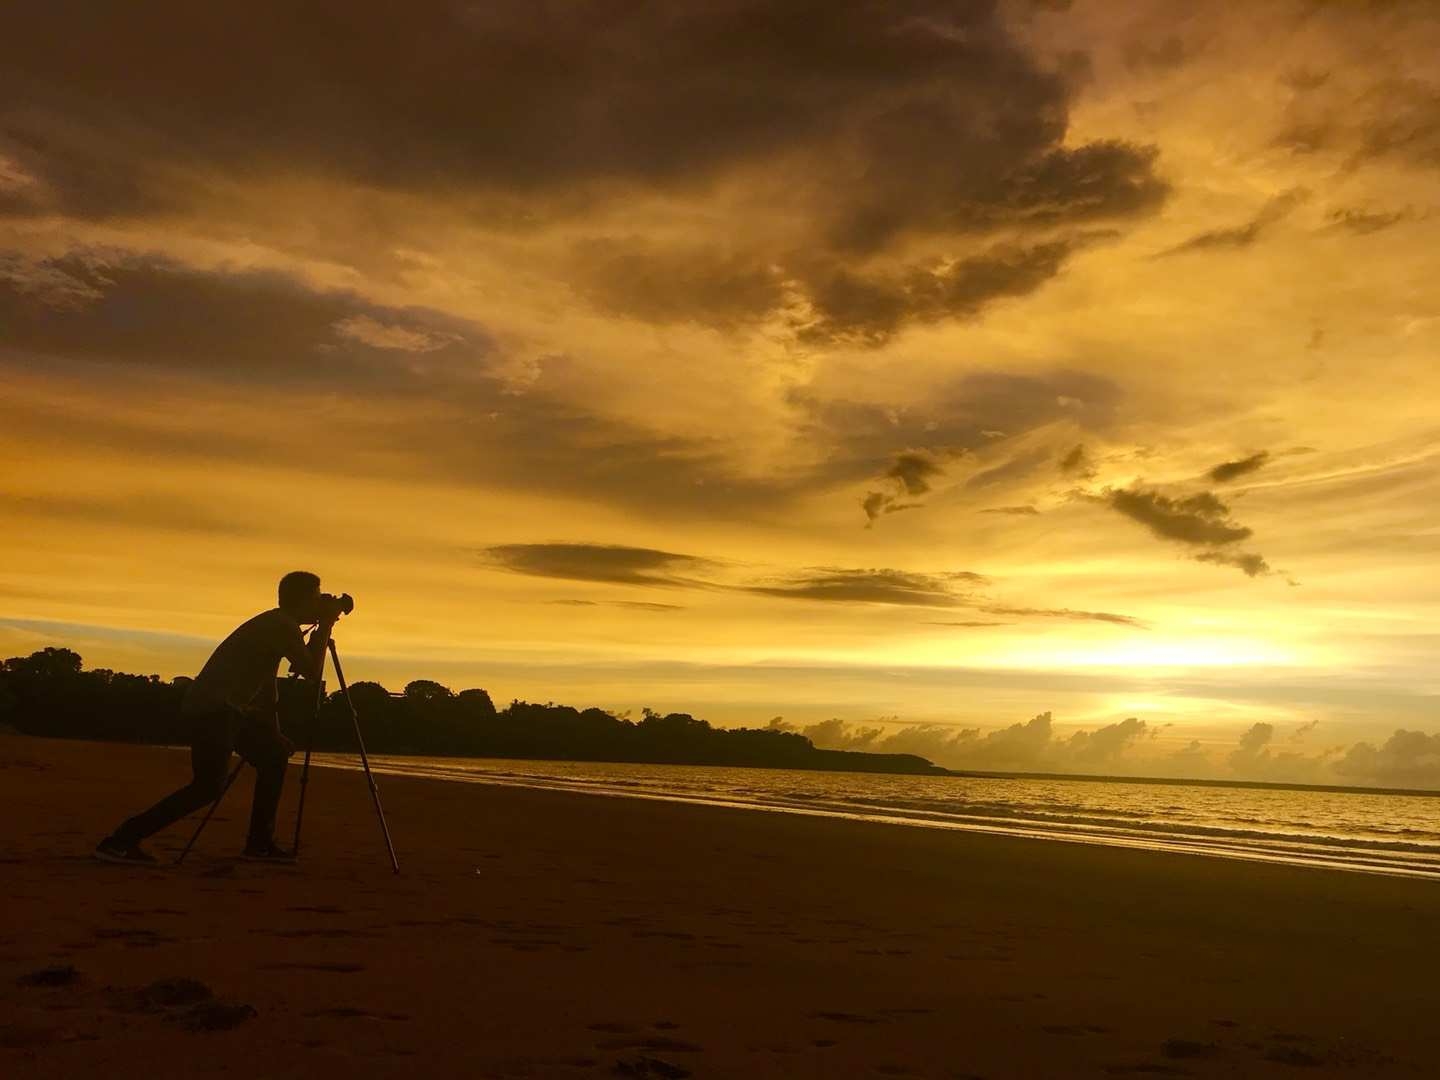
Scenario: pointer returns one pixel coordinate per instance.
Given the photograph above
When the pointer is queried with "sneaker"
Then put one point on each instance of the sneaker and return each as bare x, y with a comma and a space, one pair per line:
271, 852
117, 851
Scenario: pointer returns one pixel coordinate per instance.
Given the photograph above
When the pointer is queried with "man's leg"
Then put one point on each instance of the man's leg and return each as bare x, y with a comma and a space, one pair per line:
209, 760
270, 760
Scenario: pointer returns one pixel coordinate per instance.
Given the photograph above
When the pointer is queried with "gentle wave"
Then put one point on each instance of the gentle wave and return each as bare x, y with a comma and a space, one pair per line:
1337, 830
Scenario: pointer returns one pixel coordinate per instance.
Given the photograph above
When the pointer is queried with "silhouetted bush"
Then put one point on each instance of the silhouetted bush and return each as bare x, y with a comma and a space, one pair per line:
49, 693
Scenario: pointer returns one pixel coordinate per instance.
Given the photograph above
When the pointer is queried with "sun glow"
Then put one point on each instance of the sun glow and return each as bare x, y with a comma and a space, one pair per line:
1164, 653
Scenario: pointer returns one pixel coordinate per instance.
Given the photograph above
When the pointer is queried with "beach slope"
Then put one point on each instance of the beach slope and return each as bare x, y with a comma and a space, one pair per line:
540, 934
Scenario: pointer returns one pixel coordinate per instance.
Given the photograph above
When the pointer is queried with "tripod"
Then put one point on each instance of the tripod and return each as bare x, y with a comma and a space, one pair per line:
305, 769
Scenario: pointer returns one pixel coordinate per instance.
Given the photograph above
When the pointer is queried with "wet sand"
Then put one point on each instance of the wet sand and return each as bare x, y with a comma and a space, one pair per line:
543, 934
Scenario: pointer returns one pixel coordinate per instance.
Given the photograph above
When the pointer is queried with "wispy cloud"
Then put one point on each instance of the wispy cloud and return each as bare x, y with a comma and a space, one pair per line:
1230, 470
835, 585
1275, 210
614, 563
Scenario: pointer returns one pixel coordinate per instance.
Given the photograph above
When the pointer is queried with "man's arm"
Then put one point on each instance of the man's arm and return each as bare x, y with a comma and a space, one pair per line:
307, 659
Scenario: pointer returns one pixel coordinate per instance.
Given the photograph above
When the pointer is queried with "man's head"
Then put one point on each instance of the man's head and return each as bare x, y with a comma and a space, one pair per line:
300, 596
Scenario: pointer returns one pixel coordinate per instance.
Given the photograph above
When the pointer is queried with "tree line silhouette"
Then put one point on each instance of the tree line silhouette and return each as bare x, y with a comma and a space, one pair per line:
49, 693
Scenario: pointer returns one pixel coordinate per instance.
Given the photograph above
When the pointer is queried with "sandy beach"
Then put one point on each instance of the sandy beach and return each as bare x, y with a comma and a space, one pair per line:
539, 934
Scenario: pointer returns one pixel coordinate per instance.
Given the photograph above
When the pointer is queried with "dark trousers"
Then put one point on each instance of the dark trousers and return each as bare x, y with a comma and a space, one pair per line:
210, 748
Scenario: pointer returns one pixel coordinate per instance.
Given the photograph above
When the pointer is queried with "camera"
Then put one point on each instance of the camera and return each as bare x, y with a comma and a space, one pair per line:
343, 604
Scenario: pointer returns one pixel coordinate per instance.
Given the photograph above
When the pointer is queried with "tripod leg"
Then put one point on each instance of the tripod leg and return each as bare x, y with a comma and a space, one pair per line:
210, 813
305, 769
304, 783
364, 759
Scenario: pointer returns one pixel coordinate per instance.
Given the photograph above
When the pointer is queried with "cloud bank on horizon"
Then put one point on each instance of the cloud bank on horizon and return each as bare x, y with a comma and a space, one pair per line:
1078, 344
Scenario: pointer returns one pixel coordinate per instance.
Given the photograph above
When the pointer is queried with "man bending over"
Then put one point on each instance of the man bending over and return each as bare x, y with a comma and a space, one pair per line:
232, 705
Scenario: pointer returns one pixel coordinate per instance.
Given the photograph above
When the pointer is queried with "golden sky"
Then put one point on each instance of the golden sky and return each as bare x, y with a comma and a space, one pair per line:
978, 376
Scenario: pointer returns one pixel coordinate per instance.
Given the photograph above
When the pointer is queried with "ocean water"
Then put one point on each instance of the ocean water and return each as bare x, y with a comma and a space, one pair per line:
1372, 832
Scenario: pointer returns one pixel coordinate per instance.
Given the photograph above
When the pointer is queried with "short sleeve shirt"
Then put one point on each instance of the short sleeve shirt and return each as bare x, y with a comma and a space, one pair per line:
245, 663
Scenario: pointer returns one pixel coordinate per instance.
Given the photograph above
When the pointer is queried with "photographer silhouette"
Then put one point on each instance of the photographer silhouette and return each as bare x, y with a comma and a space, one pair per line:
232, 705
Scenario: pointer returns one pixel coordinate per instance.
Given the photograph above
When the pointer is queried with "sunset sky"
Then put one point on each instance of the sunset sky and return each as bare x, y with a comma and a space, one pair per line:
903, 370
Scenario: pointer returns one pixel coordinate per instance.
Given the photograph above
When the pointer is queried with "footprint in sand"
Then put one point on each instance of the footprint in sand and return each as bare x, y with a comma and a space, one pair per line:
214, 1016
1188, 1049
1293, 1055
64, 975
648, 1068
169, 993
183, 1001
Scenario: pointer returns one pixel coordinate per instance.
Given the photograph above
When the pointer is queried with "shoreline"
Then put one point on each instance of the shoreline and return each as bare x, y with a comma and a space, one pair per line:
1350, 855
538, 934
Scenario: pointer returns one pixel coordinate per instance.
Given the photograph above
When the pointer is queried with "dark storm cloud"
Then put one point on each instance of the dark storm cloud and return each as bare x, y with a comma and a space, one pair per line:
918, 118
1194, 519
555, 93
1229, 470
1066, 613
846, 586
154, 312
635, 279
868, 308
614, 563
848, 302
1241, 236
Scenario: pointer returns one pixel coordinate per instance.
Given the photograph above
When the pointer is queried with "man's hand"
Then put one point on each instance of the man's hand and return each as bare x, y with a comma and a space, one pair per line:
286, 745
